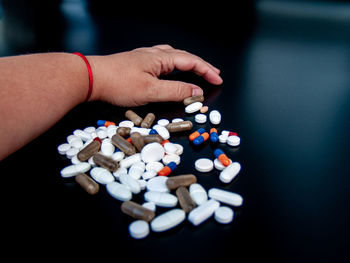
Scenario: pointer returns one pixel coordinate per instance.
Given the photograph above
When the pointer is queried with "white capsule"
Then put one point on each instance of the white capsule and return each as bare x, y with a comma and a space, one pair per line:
130, 160
161, 199
131, 183
74, 169
163, 122
225, 197
223, 215
162, 131
233, 140
215, 117
63, 148
198, 193
101, 175
139, 229
152, 152
149, 174
119, 191
107, 148
168, 220
203, 212
193, 107
230, 172
158, 184
200, 118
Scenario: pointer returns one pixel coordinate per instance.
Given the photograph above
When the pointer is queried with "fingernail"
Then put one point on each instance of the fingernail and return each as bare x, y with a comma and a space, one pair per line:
197, 91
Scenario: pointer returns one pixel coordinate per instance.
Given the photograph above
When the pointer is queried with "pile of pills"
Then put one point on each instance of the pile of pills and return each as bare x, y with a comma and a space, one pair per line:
136, 157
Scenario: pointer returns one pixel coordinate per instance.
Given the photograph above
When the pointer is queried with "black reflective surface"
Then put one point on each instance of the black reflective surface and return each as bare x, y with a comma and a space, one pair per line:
286, 91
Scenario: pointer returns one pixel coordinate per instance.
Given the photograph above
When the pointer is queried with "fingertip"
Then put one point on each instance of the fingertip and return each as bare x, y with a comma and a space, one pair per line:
197, 91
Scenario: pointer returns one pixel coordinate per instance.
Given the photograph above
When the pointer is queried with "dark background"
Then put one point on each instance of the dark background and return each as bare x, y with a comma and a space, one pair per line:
286, 91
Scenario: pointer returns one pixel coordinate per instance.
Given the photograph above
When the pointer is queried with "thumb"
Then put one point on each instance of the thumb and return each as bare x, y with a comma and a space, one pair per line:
170, 90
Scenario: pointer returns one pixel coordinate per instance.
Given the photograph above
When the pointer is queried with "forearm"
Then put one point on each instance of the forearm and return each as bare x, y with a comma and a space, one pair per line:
36, 91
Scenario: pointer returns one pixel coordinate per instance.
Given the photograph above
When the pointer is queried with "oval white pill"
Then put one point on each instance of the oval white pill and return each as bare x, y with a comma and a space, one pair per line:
223, 215
215, 117
130, 182
163, 122
152, 152
196, 106
119, 191
226, 197
198, 193
63, 148
101, 175
168, 220
230, 172
156, 166
126, 123
121, 170
139, 229
107, 148
149, 174
233, 140
162, 131
161, 199
177, 120
204, 165
203, 212
200, 118
137, 169
158, 184
72, 152
118, 156
168, 158
74, 169
130, 160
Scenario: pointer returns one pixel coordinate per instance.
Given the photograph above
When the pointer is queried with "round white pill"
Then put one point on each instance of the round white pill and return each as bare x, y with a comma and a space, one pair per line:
139, 229
168, 158
200, 118
170, 148
158, 184
63, 148
152, 152
180, 149
223, 138
196, 106
215, 117
204, 165
223, 215
156, 166
126, 123
76, 143
72, 152
233, 140
177, 120
163, 122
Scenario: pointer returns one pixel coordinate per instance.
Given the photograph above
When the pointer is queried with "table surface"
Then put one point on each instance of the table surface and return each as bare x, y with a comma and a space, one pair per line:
285, 92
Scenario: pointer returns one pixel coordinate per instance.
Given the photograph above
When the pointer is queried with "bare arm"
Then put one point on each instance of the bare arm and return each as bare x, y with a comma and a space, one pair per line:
38, 90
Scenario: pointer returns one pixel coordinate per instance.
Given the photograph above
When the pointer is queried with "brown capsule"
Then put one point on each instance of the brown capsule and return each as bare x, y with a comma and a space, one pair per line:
87, 183
123, 131
179, 126
148, 120
175, 182
185, 200
152, 138
136, 119
137, 211
105, 162
193, 99
89, 151
123, 144
137, 140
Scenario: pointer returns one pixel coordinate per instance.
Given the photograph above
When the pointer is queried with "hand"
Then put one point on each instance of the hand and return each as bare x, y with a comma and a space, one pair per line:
131, 78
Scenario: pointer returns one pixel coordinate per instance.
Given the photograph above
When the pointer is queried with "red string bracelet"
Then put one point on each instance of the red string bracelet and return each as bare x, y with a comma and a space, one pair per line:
90, 73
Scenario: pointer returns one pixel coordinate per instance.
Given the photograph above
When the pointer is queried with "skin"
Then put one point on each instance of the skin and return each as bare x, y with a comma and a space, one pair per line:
38, 90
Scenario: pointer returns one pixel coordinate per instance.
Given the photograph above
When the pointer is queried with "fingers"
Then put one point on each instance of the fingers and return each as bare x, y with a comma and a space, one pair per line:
169, 90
